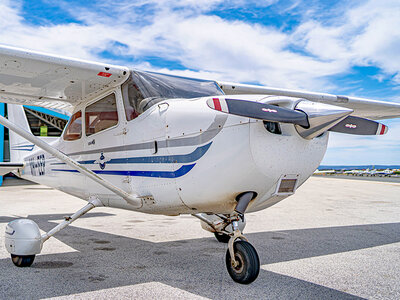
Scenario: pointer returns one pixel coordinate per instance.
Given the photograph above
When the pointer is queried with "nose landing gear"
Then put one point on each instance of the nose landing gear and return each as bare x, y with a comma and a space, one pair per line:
241, 259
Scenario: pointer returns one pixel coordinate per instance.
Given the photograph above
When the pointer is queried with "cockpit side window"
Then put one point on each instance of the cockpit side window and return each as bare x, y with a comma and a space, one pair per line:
132, 96
101, 115
74, 128
144, 89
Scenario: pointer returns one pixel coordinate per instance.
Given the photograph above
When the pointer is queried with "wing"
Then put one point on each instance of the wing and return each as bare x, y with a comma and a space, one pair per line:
33, 78
371, 109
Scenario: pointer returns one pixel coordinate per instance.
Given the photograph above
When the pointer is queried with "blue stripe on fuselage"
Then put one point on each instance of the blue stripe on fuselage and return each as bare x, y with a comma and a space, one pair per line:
160, 174
167, 159
22, 147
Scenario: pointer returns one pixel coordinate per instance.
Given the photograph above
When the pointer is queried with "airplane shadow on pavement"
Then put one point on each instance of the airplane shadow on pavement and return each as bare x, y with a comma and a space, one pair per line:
198, 266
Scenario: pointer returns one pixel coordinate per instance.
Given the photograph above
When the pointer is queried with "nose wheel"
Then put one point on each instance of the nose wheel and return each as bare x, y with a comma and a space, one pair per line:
244, 268
241, 258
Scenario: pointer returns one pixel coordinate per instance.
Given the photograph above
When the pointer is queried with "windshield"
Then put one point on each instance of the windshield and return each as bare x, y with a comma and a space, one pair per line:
144, 89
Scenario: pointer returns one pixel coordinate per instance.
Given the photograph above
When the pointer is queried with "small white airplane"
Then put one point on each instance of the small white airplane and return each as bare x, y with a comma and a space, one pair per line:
355, 172
161, 144
324, 172
381, 173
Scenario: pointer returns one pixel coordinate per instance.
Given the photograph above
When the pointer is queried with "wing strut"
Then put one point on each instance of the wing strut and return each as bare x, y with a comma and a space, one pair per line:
131, 199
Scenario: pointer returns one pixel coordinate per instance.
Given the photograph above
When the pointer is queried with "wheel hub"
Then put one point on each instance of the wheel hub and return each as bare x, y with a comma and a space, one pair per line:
237, 264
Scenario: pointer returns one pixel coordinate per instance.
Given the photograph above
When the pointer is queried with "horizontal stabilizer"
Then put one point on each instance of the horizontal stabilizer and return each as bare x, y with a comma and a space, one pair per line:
359, 126
6, 168
259, 111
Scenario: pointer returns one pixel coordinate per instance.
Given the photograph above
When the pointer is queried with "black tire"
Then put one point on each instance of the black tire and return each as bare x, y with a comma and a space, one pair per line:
222, 237
249, 263
22, 261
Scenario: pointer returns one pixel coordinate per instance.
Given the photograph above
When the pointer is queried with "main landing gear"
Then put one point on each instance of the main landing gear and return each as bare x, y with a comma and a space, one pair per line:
241, 258
23, 239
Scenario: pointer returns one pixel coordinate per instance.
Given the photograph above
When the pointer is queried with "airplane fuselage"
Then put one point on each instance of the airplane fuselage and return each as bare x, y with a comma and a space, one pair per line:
187, 157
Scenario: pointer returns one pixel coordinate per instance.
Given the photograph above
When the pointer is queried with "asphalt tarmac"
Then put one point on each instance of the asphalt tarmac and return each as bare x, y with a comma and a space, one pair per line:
395, 178
334, 239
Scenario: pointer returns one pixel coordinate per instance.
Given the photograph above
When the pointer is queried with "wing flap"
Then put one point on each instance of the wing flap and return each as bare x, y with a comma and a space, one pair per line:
6, 168
33, 78
364, 108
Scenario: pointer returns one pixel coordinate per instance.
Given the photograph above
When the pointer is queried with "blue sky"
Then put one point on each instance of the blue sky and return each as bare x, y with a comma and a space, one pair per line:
345, 47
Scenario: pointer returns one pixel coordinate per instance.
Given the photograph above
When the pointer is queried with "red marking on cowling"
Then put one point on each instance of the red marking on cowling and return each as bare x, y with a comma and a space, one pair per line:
104, 74
217, 104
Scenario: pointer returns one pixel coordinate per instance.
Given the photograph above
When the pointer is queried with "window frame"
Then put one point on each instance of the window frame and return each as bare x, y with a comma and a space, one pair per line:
97, 100
125, 97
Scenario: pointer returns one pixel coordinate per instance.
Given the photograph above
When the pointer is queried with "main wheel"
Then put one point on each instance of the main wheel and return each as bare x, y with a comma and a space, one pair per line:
222, 237
22, 260
248, 263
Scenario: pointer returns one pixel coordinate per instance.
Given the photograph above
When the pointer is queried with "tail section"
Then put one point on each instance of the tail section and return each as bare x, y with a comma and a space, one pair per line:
19, 147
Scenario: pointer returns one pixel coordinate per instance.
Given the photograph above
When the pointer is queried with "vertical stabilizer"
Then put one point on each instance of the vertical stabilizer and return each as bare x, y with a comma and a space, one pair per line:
19, 147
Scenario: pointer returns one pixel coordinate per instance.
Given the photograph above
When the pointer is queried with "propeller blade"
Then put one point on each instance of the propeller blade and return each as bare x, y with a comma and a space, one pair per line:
259, 111
359, 126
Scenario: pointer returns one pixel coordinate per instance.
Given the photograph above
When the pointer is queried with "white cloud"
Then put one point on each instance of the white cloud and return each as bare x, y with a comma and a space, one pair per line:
232, 50
366, 35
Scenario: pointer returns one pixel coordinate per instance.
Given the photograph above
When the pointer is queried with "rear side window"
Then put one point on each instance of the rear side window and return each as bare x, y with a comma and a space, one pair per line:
74, 129
101, 115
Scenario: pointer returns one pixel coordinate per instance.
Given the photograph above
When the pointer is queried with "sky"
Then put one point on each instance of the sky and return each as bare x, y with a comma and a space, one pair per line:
341, 47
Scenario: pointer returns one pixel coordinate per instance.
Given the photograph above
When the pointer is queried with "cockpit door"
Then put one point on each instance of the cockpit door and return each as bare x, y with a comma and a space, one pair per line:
104, 148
